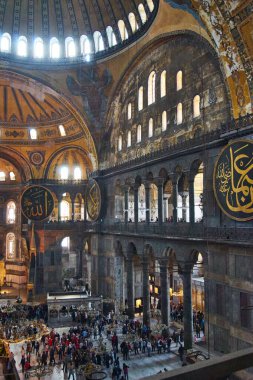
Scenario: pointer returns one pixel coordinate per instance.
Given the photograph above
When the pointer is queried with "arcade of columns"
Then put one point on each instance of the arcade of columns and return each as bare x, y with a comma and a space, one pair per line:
185, 263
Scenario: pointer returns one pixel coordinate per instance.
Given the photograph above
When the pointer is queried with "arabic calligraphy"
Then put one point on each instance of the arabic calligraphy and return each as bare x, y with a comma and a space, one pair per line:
37, 203
233, 180
93, 198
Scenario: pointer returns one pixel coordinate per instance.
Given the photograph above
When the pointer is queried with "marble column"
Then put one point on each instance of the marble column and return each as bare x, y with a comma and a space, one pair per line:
130, 286
72, 209
136, 205
191, 200
185, 270
84, 208
184, 196
160, 201
59, 198
126, 192
147, 201
165, 297
174, 200
146, 292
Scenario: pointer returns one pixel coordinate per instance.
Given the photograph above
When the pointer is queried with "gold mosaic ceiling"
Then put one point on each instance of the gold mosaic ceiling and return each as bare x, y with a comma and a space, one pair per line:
26, 104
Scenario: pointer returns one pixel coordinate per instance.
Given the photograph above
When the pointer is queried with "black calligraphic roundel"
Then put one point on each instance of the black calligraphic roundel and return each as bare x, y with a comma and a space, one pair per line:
37, 203
93, 199
233, 180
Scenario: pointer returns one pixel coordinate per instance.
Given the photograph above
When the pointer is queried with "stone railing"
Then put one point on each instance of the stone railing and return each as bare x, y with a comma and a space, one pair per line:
166, 230
181, 230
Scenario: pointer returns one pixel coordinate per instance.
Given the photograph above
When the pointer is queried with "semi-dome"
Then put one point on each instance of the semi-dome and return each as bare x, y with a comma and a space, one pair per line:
60, 29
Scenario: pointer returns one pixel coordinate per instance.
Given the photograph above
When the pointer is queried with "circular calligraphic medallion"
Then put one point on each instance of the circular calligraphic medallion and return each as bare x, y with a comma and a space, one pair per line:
37, 203
93, 199
233, 180
37, 158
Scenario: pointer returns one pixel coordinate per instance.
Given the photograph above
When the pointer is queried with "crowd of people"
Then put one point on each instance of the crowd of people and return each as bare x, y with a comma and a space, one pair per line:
101, 342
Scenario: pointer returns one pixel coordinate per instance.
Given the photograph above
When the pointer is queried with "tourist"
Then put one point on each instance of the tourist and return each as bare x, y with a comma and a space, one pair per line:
181, 351
149, 347
22, 363
125, 371
71, 371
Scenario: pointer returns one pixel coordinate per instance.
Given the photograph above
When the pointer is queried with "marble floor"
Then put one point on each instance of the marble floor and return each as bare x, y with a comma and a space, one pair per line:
139, 365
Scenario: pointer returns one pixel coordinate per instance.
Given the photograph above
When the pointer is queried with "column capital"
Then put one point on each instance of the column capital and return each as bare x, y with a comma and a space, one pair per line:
163, 262
145, 260
185, 267
159, 181
126, 188
147, 183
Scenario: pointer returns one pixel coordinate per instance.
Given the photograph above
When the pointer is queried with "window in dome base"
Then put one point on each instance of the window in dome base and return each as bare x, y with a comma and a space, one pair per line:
38, 48
62, 130
22, 46
54, 48
5, 45
77, 173
33, 134
70, 47
64, 172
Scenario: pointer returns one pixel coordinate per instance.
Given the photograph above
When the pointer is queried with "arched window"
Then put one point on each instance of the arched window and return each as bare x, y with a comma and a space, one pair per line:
163, 83
179, 80
85, 45
12, 176
77, 173
142, 13
140, 98
65, 210
133, 22
179, 113
164, 121
98, 41
120, 143
138, 134
22, 46
33, 134
38, 48
151, 88
2, 176
64, 173
111, 36
11, 212
196, 106
10, 246
198, 194
54, 48
129, 139
150, 128
129, 111
150, 5
70, 47
62, 130
122, 30
5, 43
65, 243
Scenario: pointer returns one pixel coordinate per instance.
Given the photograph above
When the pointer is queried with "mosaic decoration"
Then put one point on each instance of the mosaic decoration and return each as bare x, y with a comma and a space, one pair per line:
91, 85
93, 199
233, 180
37, 203
36, 158
233, 67
14, 134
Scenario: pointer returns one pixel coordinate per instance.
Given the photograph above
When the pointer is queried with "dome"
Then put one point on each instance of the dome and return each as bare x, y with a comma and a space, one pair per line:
70, 29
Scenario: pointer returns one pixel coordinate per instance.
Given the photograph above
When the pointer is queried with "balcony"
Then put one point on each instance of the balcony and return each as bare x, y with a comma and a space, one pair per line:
196, 231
